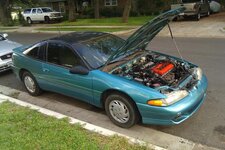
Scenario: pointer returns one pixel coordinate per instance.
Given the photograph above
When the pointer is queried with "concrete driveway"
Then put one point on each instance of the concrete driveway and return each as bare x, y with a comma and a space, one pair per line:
207, 27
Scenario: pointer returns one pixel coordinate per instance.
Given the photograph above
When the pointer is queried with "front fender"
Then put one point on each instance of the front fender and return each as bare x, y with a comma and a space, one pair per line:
103, 81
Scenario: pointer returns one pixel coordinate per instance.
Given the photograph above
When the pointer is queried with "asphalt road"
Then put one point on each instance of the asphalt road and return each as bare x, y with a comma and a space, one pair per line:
207, 126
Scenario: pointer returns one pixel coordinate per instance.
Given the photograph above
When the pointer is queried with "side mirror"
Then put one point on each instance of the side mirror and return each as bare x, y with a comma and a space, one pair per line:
79, 70
5, 35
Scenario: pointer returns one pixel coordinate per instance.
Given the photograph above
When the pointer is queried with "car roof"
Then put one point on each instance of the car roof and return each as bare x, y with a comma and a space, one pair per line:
78, 37
37, 7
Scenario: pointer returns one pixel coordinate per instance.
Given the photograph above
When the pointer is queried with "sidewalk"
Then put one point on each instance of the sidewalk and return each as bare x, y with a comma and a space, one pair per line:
97, 120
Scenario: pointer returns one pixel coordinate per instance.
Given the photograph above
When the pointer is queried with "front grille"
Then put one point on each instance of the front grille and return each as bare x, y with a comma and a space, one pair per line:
57, 15
7, 56
3, 68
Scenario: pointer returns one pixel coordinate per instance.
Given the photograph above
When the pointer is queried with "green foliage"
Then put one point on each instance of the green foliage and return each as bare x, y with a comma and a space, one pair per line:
25, 129
21, 20
114, 21
111, 12
85, 29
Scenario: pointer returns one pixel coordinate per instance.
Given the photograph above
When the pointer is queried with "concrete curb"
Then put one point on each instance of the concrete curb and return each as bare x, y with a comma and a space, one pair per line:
85, 125
222, 30
163, 140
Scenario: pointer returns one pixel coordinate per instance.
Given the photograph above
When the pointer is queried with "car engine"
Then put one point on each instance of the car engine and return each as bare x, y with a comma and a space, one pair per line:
154, 70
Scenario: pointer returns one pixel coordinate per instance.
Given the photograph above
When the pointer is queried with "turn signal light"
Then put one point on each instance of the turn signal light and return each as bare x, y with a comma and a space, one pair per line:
155, 102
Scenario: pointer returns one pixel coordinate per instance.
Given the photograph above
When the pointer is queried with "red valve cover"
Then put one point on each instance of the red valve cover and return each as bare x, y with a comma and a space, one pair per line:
162, 68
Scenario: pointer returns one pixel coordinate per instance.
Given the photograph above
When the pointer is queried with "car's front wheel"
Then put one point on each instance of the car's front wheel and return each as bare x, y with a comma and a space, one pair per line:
121, 111
31, 84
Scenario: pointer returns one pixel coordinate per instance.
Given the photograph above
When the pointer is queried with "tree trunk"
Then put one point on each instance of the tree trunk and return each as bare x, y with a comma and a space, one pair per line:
96, 5
72, 10
126, 11
5, 12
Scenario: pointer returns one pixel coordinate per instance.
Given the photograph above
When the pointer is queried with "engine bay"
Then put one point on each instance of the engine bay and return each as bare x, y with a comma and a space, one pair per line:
155, 70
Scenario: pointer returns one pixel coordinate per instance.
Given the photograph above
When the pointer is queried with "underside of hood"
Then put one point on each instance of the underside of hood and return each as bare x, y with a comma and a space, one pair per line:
140, 39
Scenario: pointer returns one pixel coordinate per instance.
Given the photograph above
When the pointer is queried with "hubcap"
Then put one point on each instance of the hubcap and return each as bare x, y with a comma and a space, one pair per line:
199, 16
29, 83
119, 111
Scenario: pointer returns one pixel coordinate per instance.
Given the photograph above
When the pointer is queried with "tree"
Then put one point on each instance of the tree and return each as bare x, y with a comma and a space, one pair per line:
96, 5
126, 11
5, 12
72, 10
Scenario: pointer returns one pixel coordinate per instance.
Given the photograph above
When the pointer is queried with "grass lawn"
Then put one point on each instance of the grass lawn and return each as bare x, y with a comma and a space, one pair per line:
22, 128
85, 29
115, 21
6, 28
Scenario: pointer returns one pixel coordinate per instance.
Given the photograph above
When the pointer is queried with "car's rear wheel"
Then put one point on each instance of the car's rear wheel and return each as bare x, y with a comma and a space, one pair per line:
121, 111
31, 84
29, 21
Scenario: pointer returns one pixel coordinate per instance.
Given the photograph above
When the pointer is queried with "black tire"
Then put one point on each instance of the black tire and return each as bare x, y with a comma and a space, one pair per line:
198, 16
29, 21
130, 108
37, 90
175, 18
47, 19
208, 13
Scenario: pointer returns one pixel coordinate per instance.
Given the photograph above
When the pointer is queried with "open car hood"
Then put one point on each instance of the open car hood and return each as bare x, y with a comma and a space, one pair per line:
140, 39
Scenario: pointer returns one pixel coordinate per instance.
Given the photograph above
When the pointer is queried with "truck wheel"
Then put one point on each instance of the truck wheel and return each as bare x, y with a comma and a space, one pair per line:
29, 21
47, 19
198, 17
208, 13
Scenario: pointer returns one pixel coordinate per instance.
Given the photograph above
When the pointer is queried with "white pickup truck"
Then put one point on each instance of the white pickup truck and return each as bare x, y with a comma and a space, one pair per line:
45, 14
195, 8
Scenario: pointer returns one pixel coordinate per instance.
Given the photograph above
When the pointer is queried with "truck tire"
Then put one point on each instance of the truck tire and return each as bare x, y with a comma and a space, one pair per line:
29, 21
198, 16
47, 19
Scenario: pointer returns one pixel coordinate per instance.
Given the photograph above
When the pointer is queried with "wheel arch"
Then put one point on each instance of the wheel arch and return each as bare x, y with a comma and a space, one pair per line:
107, 92
22, 70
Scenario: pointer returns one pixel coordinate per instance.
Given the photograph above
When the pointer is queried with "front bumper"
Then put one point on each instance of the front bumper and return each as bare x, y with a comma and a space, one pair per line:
188, 13
56, 18
178, 112
5, 65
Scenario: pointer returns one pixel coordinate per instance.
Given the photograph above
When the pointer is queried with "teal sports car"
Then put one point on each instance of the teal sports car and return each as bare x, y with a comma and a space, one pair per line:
131, 83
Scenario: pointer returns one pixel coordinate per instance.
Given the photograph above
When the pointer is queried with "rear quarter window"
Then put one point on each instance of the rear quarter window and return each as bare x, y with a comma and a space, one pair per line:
38, 52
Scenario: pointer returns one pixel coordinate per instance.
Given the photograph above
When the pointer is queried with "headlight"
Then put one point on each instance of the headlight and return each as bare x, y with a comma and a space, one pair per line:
198, 73
52, 15
172, 98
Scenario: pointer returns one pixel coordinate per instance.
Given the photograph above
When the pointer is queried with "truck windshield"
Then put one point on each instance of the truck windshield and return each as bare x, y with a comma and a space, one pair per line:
190, 1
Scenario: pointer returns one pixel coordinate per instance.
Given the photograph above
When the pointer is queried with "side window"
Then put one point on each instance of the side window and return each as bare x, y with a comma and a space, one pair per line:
34, 11
38, 51
62, 55
27, 11
39, 11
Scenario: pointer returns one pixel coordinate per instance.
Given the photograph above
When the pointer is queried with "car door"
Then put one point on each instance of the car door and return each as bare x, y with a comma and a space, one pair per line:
60, 59
33, 14
39, 15
35, 57
204, 6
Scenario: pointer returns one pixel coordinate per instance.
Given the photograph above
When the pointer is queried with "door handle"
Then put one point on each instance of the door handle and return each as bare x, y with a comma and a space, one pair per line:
45, 70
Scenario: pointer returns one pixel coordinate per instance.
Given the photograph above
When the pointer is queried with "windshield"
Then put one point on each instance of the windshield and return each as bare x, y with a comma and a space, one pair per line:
46, 9
97, 51
190, 1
